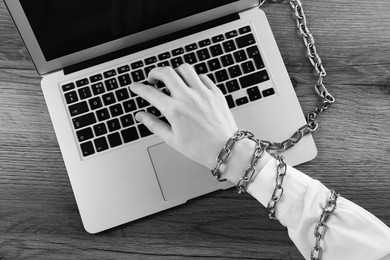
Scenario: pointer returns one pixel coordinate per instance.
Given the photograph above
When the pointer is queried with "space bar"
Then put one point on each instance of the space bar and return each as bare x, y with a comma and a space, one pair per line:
254, 78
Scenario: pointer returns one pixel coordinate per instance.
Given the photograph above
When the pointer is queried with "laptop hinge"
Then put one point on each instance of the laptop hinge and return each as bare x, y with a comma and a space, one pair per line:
149, 44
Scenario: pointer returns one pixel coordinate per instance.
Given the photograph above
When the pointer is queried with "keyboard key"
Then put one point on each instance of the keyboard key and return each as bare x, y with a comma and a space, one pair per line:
191, 47
204, 43
244, 30
68, 87
123, 69
129, 134
85, 93
231, 34
221, 86
166, 91
100, 129
248, 67
218, 38
154, 111
116, 110
114, 139
230, 101
254, 53
143, 130
177, 51
240, 55
164, 56
124, 80
71, 97
95, 78
214, 64
122, 94
176, 62
84, 134
84, 120
163, 64
227, 60
268, 92
129, 106
142, 102
102, 114
190, 58
234, 71
82, 82
87, 149
101, 144
78, 108
111, 84
113, 125
127, 120
150, 60
137, 65
203, 54
254, 78
109, 73
164, 119
201, 68
221, 75
98, 88
242, 101
108, 98
211, 76
138, 75
148, 69
229, 46
216, 50
245, 40
253, 93
232, 85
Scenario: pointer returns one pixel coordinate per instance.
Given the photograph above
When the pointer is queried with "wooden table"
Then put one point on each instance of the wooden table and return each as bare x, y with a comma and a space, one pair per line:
38, 214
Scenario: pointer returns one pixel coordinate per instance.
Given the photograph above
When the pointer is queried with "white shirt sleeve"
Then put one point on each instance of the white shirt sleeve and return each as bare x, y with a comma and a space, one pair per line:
352, 233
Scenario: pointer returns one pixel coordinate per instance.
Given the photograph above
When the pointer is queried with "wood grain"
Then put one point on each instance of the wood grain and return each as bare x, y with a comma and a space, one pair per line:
38, 214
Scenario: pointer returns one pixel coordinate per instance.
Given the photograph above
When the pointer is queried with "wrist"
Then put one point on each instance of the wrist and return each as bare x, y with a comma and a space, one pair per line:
240, 159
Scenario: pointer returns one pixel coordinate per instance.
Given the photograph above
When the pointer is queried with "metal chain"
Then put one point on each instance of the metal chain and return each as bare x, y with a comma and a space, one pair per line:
321, 227
320, 89
278, 190
226, 151
248, 174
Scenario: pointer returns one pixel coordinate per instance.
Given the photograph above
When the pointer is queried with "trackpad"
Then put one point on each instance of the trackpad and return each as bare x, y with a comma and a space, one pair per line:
178, 176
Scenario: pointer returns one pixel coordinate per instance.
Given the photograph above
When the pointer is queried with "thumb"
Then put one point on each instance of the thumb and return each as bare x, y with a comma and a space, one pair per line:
155, 125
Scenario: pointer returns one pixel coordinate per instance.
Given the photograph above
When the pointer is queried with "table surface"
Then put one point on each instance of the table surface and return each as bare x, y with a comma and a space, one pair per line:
38, 214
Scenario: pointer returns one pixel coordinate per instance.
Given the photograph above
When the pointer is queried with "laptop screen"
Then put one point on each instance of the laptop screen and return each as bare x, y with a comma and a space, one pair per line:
65, 27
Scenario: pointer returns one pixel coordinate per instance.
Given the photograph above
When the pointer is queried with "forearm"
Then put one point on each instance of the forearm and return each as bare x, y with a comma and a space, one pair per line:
352, 233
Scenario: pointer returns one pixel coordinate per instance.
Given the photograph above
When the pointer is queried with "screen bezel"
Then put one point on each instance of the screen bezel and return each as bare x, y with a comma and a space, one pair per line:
44, 67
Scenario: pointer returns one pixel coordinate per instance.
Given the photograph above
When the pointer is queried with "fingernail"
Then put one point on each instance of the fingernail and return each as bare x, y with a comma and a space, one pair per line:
138, 117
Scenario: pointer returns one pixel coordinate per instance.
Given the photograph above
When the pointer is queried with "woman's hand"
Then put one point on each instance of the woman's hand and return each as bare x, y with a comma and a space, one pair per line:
200, 120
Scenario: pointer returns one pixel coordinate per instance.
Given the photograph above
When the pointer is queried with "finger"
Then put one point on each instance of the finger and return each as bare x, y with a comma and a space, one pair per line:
208, 82
170, 78
189, 76
155, 125
151, 94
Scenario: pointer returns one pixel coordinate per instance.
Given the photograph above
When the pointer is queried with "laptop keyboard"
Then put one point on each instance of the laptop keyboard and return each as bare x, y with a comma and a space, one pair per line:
102, 107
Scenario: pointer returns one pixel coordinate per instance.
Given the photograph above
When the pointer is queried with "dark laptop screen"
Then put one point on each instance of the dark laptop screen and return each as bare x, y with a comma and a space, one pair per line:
65, 27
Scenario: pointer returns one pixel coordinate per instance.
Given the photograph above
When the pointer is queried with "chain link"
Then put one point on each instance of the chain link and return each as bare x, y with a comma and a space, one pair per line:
315, 60
278, 190
226, 151
321, 227
248, 174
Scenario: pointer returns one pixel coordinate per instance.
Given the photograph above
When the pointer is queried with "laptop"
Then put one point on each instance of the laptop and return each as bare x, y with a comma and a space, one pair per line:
88, 53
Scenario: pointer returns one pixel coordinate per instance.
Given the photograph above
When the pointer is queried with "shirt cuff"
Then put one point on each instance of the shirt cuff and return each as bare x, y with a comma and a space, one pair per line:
294, 186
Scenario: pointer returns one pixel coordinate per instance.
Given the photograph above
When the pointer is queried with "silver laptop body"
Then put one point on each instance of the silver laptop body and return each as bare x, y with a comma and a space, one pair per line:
118, 171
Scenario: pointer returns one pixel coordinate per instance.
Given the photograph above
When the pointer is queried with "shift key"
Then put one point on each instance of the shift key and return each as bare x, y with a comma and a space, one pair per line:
84, 120
254, 78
